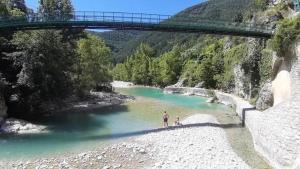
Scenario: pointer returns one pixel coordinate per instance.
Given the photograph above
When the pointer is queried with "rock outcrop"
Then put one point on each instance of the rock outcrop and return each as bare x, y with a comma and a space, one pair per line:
276, 131
188, 91
14, 126
280, 138
265, 98
239, 80
180, 83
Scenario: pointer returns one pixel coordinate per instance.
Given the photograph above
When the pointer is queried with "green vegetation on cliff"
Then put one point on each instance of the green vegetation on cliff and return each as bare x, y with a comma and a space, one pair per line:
287, 33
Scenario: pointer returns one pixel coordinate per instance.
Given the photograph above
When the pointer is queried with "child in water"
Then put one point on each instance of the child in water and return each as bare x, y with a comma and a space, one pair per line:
177, 122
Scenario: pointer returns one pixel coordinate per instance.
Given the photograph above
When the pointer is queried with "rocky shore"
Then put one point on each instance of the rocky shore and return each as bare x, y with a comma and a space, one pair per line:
199, 143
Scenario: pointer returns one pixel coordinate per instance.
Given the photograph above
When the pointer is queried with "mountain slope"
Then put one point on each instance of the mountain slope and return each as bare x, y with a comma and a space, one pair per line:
123, 43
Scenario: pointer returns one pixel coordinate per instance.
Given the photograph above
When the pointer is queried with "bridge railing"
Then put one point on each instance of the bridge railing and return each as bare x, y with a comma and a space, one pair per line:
136, 18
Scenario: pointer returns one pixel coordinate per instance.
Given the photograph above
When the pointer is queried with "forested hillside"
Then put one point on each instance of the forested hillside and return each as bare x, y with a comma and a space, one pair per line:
233, 64
123, 43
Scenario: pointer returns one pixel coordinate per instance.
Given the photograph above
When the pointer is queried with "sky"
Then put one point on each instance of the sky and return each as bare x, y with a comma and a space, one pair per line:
167, 7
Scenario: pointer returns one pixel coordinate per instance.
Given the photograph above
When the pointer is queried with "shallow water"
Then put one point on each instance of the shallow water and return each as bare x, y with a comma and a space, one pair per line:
75, 132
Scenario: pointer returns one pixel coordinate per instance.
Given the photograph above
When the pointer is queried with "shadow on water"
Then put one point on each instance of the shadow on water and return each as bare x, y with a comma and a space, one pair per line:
78, 120
143, 132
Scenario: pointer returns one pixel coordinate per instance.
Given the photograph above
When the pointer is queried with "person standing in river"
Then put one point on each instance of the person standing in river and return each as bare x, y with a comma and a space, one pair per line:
165, 119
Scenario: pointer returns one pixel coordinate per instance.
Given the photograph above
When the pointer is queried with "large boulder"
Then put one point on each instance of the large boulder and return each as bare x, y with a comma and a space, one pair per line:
200, 85
21, 127
265, 98
180, 83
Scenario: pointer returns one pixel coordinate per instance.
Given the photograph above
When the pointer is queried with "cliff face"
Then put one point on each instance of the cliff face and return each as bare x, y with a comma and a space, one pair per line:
246, 73
279, 126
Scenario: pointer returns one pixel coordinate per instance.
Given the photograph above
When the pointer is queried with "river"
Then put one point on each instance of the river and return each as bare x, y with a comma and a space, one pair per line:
76, 132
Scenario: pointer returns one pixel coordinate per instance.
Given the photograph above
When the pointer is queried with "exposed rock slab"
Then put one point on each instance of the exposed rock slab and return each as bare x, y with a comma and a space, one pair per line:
265, 98
121, 84
14, 126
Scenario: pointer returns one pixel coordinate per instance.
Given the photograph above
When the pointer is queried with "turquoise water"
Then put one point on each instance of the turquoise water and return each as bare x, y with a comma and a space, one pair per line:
194, 102
74, 132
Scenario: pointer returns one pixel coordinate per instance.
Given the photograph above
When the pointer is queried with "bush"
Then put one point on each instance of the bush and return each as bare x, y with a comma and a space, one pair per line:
287, 33
265, 66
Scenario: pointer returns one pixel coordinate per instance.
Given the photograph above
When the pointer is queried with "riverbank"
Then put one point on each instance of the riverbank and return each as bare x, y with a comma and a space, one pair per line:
280, 149
200, 143
92, 102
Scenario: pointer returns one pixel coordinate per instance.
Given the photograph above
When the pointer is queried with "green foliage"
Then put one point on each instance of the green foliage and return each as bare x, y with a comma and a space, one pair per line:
38, 66
94, 63
46, 63
140, 64
231, 58
207, 67
3, 10
137, 67
170, 65
265, 66
124, 43
142, 68
54, 8
287, 33
261, 4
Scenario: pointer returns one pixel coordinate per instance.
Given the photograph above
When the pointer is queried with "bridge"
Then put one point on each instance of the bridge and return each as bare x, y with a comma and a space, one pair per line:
134, 21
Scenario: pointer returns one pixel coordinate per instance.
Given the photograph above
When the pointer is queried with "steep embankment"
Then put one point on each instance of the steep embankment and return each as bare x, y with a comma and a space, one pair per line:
277, 132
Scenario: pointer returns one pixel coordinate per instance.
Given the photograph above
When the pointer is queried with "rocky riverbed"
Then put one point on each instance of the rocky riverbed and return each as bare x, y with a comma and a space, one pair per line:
199, 143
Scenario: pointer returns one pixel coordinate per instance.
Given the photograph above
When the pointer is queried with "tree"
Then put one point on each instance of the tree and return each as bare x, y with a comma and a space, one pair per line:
3, 10
17, 5
170, 65
94, 62
45, 60
140, 63
56, 8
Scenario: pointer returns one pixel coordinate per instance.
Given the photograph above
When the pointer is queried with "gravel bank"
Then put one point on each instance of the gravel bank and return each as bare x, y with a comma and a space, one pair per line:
197, 146
194, 147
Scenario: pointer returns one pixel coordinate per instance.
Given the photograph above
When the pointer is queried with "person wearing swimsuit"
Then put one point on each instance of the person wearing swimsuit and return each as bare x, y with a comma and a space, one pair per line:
165, 119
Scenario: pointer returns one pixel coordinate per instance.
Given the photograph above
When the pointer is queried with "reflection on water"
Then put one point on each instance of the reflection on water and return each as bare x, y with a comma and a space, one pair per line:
76, 131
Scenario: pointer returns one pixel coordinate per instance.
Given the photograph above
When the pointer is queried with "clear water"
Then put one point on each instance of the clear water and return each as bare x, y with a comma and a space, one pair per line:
74, 132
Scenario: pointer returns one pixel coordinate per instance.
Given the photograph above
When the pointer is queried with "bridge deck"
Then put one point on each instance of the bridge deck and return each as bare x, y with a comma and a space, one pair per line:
134, 21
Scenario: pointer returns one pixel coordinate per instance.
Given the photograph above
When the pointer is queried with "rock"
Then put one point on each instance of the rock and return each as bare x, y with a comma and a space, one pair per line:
239, 80
212, 100
142, 151
81, 155
121, 84
21, 127
200, 85
179, 83
117, 166
106, 167
3, 108
265, 98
